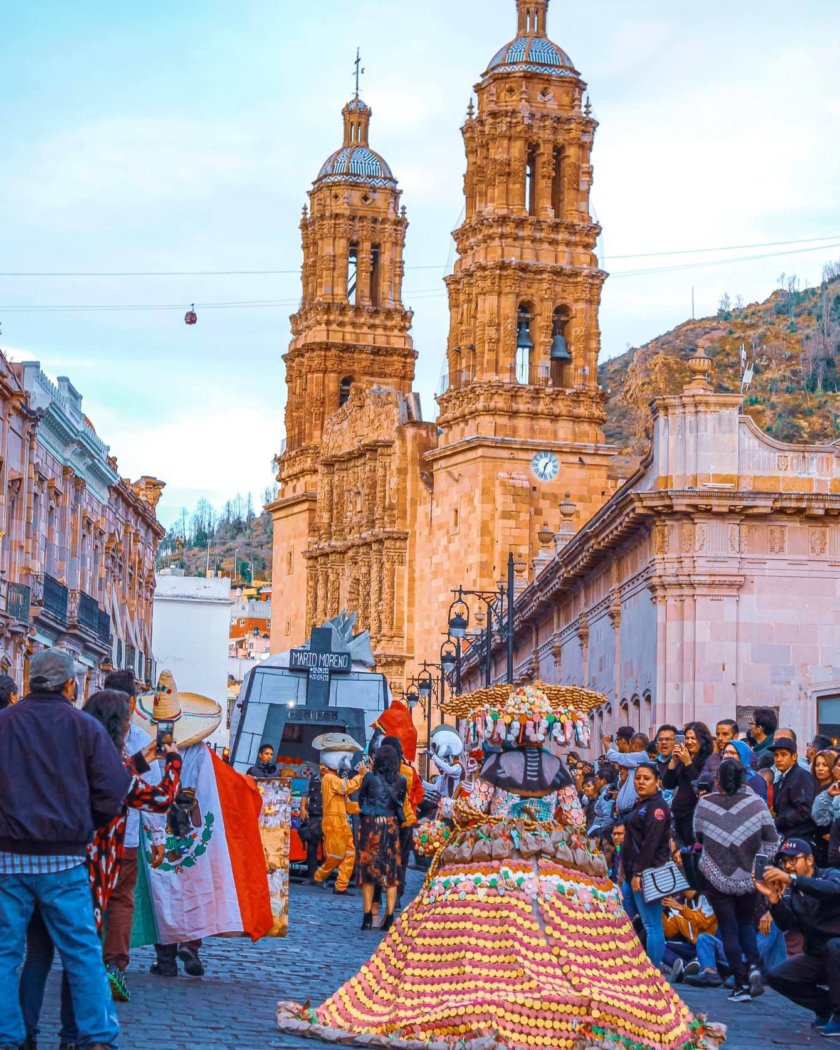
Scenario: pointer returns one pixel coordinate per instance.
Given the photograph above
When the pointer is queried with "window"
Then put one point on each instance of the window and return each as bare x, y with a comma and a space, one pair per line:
374, 275
344, 390
353, 274
828, 716
558, 193
531, 181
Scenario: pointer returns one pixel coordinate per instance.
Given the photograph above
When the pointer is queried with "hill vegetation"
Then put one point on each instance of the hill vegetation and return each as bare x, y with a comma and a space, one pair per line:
791, 342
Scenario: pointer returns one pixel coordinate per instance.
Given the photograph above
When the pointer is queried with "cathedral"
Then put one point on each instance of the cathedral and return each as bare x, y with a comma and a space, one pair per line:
379, 511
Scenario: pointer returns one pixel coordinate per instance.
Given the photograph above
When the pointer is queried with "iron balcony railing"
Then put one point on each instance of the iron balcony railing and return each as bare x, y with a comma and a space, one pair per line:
55, 598
19, 601
103, 625
88, 612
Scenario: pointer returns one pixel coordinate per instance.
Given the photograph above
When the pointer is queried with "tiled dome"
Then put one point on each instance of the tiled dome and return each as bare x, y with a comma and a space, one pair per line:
357, 164
533, 54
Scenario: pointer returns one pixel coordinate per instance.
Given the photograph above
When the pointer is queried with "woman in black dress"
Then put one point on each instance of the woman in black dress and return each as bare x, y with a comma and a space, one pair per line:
381, 798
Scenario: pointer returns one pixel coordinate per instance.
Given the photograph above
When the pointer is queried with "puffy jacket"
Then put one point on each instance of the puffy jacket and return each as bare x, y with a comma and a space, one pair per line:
826, 809
60, 777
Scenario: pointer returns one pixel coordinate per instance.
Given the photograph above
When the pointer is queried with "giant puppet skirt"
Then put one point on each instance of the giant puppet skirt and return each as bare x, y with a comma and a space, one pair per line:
514, 953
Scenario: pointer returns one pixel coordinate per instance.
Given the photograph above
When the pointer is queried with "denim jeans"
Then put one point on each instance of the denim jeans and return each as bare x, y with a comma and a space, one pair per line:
40, 953
651, 916
710, 952
771, 950
64, 900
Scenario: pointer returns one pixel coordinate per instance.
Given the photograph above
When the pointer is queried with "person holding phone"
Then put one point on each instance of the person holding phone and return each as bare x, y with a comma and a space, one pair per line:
685, 767
734, 826
806, 898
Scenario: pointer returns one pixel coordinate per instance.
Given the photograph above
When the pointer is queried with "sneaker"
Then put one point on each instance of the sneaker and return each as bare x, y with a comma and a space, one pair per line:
742, 995
675, 974
819, 1023
705, 979
692, 969
164, 969
832, 1029
756, 982
192, 963
118, 985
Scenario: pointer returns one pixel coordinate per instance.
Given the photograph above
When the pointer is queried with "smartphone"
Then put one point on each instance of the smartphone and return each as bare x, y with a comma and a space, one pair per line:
165, 735
760, 865
679, 739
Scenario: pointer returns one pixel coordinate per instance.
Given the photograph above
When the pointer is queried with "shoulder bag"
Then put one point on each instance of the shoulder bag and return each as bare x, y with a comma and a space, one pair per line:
662, 882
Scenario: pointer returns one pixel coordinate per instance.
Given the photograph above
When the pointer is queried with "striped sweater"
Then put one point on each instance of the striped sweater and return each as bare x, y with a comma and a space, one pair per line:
732, 830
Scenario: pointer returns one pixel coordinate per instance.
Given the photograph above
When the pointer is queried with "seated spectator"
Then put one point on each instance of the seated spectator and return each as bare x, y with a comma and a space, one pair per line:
733, 825
739, 750
794, 792
761, 731
683, 921
805, 898
683, 770
710, 969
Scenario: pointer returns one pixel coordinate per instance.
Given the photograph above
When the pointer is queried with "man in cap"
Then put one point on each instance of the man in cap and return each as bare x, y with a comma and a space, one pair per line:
794, 791
806, 899
60, 778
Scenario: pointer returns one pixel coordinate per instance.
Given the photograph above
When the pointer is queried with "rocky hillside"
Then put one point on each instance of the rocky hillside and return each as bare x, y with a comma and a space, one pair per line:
792, 342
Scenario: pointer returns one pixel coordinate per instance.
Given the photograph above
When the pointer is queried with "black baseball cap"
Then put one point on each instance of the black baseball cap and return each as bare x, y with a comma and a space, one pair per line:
784, 743
794, 847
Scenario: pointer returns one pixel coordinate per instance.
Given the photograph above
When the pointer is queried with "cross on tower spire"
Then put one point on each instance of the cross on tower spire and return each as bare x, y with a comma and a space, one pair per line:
359, 69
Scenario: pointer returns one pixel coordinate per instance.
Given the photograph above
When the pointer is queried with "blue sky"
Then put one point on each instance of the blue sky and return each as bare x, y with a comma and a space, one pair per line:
171, 137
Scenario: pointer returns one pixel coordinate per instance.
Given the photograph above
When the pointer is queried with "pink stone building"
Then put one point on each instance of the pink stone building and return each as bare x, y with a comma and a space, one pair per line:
709, 584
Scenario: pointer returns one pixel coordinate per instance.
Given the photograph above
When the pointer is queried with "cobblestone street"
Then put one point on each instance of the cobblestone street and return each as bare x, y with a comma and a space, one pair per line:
232, 1007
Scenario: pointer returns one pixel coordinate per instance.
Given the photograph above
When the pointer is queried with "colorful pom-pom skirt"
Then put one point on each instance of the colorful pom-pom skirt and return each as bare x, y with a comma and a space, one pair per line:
515, 953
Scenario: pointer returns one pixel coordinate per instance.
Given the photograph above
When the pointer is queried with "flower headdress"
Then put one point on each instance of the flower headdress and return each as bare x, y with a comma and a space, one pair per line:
526, 715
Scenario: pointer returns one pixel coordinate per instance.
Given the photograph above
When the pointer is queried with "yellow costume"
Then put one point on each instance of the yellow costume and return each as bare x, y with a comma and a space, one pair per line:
339, 847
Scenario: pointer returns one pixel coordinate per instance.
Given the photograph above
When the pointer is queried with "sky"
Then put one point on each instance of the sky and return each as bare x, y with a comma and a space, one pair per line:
161, 138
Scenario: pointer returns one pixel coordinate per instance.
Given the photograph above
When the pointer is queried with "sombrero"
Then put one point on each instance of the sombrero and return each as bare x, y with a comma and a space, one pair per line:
195, 717
335, 742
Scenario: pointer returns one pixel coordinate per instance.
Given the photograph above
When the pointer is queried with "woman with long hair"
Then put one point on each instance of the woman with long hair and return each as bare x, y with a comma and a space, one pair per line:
381, 805
823, 769
826, 808
733, 825
682, 771
112, 709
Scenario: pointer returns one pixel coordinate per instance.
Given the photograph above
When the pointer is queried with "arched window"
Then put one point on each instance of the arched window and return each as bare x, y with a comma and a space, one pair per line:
531, 181
353, 274
558, 193
344, 390
524, 345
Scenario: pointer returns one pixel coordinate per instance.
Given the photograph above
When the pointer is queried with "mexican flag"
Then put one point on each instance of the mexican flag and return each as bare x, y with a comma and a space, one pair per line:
213, 879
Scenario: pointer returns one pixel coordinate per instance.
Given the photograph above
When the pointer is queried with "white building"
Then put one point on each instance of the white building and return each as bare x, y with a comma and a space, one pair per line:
190, 637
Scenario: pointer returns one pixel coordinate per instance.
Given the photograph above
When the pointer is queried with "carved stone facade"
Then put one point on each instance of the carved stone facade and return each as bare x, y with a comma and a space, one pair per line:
78, 541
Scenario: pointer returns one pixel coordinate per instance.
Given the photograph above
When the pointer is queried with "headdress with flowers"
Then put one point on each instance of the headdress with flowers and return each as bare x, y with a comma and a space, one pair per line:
526, 715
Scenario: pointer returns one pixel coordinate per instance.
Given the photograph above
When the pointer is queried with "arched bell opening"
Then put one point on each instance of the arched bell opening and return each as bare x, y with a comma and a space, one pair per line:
560, 354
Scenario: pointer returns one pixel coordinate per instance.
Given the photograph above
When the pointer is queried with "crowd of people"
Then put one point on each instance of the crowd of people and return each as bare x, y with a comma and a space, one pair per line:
748, 828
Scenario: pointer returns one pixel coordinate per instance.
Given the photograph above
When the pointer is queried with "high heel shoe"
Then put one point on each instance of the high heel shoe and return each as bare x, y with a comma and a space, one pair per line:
367, 921
387, 922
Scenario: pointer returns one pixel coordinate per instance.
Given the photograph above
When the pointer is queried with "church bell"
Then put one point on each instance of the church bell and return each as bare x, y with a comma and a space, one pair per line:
560, 349
523, 338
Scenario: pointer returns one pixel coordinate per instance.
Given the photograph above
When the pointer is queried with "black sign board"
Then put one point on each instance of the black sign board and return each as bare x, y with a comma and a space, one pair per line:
320, 663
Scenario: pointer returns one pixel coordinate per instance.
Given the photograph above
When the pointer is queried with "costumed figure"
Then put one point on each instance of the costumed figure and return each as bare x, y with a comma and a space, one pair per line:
446, 750
339, 848
400, 732
518, 938
212, 879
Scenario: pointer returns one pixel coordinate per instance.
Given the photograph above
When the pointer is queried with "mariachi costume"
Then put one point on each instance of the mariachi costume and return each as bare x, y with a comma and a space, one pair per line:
518, 938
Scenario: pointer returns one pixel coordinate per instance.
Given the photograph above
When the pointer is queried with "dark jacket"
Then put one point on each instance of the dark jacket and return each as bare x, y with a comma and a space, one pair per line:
680, 780
262, 770
793, 798
812, 907
378, 798
60, 777
647, 836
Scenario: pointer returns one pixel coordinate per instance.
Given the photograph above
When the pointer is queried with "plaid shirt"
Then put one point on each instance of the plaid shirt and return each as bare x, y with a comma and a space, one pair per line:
35, 864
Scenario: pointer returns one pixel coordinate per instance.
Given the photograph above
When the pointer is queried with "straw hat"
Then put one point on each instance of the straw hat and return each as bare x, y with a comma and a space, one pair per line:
195, 717
335, 742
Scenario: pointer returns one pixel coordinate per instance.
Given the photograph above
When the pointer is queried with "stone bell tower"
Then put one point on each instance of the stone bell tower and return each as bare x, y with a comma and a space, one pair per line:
521, 418
351, 332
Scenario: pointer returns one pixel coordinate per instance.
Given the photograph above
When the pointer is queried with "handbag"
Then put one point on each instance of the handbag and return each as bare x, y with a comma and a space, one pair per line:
662, 882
